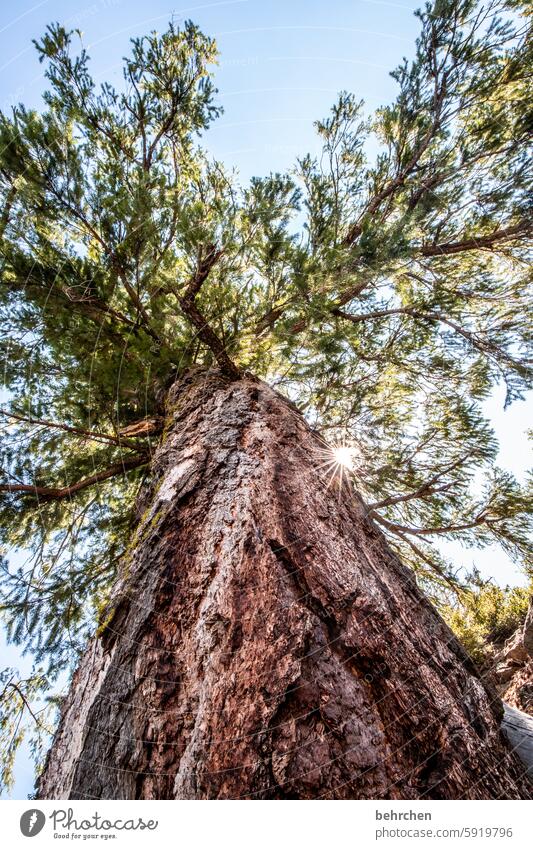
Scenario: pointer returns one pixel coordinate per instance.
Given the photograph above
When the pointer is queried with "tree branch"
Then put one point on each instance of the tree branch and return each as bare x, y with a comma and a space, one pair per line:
207, 259
135, 300
47, 493
109, 252
426, 488
27, 705
92, 434
425, 559
210, 338
478, 242
4, 218
486, 347
486, 242
444, 529
355, 231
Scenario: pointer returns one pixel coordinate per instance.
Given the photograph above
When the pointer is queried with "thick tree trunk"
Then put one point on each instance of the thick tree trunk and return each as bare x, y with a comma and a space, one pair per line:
264, 642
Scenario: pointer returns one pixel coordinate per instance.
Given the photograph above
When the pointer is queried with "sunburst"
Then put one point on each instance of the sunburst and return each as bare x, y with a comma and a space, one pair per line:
340, 460
344, 456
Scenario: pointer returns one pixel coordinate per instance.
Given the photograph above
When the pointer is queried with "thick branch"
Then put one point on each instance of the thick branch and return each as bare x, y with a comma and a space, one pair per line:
47, 493
478, 242
207, 259
4, 217
486, 242
136, 301
91, 434
210, 338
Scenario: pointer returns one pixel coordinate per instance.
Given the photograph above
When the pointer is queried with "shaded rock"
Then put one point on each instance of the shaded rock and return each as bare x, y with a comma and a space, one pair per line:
517, 690
514, 651
513, 672
504, 672
518, 728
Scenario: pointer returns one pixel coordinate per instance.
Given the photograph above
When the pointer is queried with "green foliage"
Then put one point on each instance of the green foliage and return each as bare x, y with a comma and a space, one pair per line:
21, 718
486, 616
386, 297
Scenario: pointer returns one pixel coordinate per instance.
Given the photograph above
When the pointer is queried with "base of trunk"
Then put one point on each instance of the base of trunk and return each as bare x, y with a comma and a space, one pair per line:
264, 642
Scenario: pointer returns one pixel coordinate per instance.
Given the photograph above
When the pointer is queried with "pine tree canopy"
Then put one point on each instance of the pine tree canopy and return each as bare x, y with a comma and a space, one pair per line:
382, 285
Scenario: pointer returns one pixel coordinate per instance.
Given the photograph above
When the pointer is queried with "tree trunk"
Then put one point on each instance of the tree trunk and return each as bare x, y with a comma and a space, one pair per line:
264, 642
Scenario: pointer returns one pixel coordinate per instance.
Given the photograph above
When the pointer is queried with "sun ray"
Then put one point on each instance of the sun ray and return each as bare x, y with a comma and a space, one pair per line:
337, 463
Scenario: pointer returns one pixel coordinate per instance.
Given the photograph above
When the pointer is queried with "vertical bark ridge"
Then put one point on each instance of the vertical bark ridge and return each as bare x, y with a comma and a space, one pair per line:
263, 641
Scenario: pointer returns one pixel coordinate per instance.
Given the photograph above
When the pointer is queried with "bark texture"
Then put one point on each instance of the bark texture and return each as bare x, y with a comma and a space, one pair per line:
264, 642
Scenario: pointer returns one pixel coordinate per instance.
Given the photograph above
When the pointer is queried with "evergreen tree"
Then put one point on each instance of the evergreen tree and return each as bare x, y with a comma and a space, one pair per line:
385, 298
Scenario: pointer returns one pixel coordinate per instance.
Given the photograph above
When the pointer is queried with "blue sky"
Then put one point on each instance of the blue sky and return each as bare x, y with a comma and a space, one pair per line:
282, 63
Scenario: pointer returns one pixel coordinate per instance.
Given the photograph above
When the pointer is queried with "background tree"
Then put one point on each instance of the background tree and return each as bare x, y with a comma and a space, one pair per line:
386, 298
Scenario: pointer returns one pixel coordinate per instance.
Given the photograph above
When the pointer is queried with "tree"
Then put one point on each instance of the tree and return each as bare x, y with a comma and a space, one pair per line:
181, 513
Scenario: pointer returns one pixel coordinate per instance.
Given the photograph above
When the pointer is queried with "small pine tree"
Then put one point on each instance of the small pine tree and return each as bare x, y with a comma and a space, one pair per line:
486, 616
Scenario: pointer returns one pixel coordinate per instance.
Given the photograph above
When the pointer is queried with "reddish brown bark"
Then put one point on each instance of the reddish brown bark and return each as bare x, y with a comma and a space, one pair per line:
264, 641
